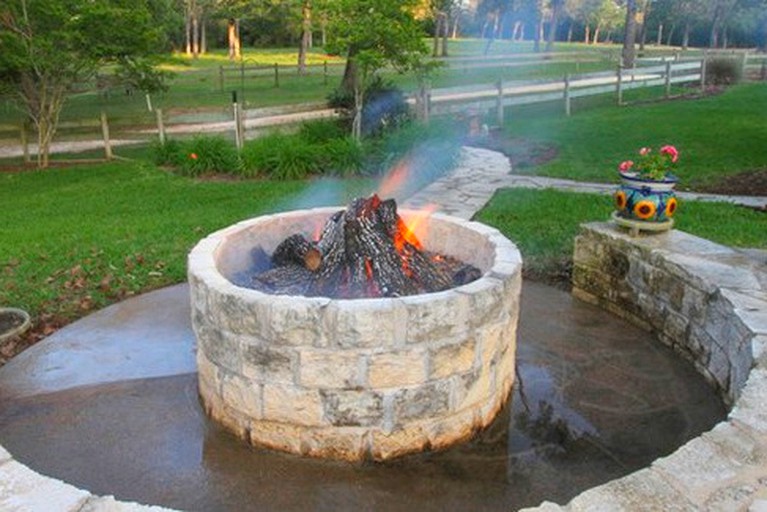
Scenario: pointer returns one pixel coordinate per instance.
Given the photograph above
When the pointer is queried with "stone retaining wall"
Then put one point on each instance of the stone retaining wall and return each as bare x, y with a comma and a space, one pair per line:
355, 379
709, 303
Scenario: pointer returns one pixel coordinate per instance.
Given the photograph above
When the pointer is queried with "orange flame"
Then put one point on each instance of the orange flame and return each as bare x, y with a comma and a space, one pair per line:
414, 228
368, 268
394, 179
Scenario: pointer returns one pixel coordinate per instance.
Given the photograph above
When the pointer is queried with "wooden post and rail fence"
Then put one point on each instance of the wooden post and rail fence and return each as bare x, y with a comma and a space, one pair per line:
497, 98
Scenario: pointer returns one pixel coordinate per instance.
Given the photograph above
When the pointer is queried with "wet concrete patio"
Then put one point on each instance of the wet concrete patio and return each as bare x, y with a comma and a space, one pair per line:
110, 405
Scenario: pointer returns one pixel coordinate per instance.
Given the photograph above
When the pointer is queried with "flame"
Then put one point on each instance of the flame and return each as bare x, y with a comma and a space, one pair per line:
395, 179
317, 231
368, 268
414, 228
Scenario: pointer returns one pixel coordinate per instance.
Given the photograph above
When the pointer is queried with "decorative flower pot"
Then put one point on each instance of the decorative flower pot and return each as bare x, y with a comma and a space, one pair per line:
13, 322
646, 205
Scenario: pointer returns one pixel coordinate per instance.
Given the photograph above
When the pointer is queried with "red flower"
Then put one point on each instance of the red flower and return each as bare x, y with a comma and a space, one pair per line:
670, 151
193, 156
625, 166
644, 151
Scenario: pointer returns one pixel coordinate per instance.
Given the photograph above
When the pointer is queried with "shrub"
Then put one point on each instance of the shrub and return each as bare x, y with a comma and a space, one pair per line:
209, 154
281, 156
322, 130
723, 71
168, 153
343, 156
385, 107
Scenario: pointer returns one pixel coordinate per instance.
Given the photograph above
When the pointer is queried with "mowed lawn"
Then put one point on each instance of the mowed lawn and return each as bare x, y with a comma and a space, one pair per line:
719, 135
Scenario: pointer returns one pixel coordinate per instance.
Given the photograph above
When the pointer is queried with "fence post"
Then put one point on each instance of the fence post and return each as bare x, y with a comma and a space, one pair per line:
499, 102
567, 95
237, 125
668, 79
160, 126
703, 70
25, 142
619, 84
105, 133
221, 78
325, 72
276, 75
744, 64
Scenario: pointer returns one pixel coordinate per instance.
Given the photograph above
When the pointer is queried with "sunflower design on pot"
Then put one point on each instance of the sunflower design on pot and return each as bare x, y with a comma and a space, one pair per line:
646, 192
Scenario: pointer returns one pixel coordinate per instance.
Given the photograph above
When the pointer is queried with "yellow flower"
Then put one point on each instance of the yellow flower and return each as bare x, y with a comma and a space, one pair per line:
644, 209
620, 199
671, 207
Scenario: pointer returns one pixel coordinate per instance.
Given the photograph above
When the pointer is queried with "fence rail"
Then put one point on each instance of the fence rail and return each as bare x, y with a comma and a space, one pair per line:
501, 95
493, 98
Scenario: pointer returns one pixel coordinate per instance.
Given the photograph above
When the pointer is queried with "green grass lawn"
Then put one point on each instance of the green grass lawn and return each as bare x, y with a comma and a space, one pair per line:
716, 136
543, 223
196, 83
75, 239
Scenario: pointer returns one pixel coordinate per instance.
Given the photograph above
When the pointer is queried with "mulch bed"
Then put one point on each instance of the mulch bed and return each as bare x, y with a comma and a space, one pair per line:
748, 183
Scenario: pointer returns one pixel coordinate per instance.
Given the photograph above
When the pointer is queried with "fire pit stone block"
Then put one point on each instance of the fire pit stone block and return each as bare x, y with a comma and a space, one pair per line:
354, 379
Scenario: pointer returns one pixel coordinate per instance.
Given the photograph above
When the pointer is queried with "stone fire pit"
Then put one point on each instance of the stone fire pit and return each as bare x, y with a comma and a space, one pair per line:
354, 379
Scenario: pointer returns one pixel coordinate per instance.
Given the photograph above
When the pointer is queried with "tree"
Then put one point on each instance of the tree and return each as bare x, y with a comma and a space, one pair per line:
49, 46
556, 8
629, 34
373, 34
306, 34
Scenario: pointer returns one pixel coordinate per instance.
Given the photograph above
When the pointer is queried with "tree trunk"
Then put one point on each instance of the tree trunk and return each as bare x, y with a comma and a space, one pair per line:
538, 33
195, 36
498, 28
358, 105
686, 35
437, 29
515, 30
485, 26
233, 37
323, 28
646, 6
555, 8
716, 25
725, 40
188, 33
203, 37
629, 35
44, 103
570, 33
306, 32
445, 32
587, 33
348, 82
660, 34
595, 37
454, 35
670, 35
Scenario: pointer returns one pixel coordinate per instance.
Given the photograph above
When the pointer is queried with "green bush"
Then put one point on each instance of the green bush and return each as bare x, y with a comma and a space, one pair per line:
322, 130
723, 71
168, 153
385, 107
206, 154
281, 156
342, 156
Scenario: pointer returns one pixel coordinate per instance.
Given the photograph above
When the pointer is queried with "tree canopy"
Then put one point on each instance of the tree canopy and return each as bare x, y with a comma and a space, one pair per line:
46, 47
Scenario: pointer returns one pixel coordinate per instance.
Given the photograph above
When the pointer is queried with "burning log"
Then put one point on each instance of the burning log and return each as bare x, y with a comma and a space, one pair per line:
286, 280
366, 250
297, 250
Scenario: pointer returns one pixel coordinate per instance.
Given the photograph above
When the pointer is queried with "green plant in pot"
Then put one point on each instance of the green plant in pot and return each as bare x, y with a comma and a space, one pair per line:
645, 199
